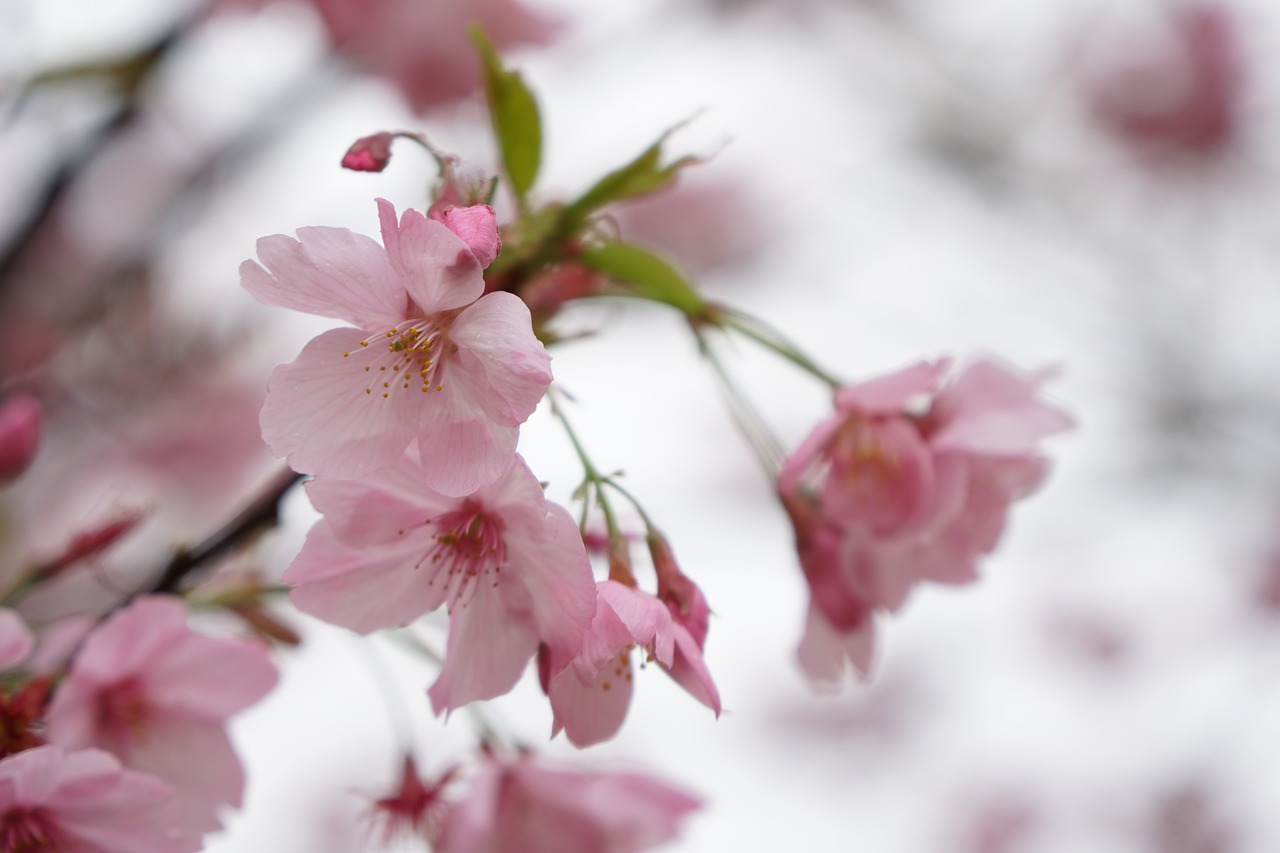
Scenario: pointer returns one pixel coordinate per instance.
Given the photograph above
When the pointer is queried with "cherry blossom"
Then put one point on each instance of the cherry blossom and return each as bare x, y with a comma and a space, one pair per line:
509, 565
430, 356
422, 47
53, 800
1183, 94
156, 695
906, 482
520, 805
590, 698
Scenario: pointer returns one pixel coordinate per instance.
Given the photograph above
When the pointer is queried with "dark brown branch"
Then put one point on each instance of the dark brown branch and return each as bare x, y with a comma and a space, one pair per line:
257, 517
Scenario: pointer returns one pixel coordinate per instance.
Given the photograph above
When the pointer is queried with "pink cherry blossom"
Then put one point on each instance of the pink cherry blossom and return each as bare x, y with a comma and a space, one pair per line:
520, 805
157, 696
422, 47
20, 419
910, 480
430, 356
509, 565
52, 800
589, 699
1182, 94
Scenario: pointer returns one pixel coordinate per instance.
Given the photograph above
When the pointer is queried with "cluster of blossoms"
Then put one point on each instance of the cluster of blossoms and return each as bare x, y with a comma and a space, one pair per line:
906, 482
125, 749
407, 420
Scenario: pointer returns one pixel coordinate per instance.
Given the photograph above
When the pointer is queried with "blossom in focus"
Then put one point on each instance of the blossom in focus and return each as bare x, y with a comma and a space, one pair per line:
156, 695
909, 480
590, 698
509, 565
52, 800
422, 47
520, 805
431, 356
1184, 95
19, 434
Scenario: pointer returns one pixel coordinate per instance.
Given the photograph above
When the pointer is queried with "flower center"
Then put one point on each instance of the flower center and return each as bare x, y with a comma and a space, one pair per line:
409, 358
122, 710
27, 830
468, 546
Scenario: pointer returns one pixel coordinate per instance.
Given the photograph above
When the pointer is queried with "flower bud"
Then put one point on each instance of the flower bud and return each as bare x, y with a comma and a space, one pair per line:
369, 153
478, 227
19, 434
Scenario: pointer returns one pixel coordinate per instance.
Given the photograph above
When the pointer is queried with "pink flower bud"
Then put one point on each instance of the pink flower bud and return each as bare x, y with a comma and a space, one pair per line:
19, 434
478, 227
369, 153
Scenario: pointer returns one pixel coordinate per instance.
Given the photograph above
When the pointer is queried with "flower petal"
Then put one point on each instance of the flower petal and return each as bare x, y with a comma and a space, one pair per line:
591, 712
361, 589
487, 650
332, 272
326, 415
434, 264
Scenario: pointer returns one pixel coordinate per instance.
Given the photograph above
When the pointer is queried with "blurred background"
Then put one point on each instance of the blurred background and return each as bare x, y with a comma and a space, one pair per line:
1086, 184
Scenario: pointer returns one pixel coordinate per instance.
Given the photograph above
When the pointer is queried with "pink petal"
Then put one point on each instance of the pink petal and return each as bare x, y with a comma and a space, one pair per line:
332, 272
461, 456
20, 423
361, 589
379, 509
647, 618
989, 409
94, 801
16, 640
826, 656
434, 264
478, 228
487, 651
892, 393
592, 712
500, 355
209, 678
198, 760
326, 416
690, 671
131, 640
806, 456
556, 571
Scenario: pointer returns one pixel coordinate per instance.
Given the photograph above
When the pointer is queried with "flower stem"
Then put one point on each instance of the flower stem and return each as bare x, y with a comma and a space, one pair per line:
771, 339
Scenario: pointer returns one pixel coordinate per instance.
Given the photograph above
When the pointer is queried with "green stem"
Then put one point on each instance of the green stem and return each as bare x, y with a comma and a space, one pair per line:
766, 447
771, 339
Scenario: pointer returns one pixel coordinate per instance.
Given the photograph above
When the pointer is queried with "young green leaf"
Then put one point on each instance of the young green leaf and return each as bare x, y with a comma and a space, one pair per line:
648, 275
643, 175
514, 113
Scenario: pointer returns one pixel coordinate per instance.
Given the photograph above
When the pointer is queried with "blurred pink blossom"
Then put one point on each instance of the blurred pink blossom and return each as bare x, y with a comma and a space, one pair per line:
422, 47
906, 482
147, 689
51, 800
1181, 96
508, 564
20, 419
519, 805
432, 356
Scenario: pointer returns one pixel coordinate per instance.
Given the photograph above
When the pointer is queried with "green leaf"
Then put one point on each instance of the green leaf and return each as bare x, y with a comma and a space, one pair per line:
649, 276
643, 175
514, 113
